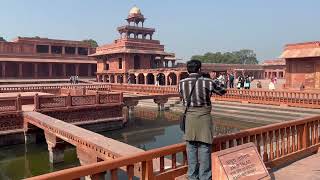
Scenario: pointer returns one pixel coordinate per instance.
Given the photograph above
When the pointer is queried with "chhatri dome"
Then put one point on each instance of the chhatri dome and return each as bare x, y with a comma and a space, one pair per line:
135, 11
135, 16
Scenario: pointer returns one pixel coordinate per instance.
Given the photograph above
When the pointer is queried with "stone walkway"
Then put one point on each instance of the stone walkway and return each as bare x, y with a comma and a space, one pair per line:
304, 169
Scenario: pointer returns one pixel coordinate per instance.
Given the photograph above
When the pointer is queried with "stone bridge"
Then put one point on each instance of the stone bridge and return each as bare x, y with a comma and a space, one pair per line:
278, 145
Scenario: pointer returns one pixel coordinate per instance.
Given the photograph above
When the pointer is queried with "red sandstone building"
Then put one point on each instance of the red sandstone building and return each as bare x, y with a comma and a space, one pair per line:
45, 58
135, 56
302, 65
274, 68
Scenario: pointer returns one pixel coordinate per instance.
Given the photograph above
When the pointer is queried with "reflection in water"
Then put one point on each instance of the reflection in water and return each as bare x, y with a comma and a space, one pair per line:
148, 129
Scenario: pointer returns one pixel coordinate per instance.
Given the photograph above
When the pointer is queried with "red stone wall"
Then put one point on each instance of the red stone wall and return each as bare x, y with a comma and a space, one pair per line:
127, 63
304, 71
86, 115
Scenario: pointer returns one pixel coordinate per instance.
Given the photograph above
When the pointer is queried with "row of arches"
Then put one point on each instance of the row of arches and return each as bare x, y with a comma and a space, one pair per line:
141, 78
136, 35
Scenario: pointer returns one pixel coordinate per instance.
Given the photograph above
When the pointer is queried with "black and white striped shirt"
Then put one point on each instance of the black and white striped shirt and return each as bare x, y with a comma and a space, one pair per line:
202, 92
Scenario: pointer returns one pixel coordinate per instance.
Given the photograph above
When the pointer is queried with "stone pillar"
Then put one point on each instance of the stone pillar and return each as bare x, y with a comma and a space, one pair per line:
98, 78
130, 106
145, 78
3, 67
173, 62
161, 102
125, 78
64, 70
20, 70
50, 70
88, 50
56, 147
89, 70
86, 157
35, 70
166, 63
29, 138
63, 50
77, 69
50, 52
76, 49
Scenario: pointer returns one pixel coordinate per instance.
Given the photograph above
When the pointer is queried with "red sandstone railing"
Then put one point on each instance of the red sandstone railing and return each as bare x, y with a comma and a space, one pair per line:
277, 144
286, 97
144, 89
56, 102
11, 104
290, 98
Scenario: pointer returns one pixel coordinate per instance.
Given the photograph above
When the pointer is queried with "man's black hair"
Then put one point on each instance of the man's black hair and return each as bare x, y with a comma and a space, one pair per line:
193, 66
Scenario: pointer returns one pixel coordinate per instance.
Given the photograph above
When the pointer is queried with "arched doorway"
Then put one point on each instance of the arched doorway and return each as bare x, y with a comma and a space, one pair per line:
172, 79
136, 62
183, 75
140, 78
150, 78
161, 78
132, 79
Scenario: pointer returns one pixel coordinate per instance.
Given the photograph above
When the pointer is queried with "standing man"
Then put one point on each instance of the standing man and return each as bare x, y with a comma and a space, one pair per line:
198, 122
231, 80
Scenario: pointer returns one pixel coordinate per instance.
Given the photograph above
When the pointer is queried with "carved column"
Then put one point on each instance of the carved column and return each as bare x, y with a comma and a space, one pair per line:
130, 105
3, 67
89, 70
77, 69
63, 50
86, 157
50, 51
56, 147
161, 102
64, 70
76, 51
20, 70
125, 78
35, 70
50, 70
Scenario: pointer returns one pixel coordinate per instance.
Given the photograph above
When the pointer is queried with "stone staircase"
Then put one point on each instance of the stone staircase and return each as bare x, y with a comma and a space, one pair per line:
252, 113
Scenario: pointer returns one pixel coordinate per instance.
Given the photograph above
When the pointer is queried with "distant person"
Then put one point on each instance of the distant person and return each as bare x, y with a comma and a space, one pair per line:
71, 79
76, 79
198, 120
240, 84
231, 80
259, 85
271, 85
222, 79
247, 83
158, 79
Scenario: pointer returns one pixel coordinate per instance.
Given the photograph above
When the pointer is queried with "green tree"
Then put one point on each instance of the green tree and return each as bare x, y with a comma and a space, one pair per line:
92, 42
244, 56
2, 39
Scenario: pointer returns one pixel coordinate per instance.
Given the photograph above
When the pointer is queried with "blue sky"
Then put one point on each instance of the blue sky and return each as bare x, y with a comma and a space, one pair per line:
186, 27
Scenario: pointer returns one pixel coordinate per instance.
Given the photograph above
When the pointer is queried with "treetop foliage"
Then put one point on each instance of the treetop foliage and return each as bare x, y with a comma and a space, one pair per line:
92, 42
243, 56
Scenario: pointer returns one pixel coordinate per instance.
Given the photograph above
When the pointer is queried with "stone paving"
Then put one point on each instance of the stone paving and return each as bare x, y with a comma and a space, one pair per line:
304, 169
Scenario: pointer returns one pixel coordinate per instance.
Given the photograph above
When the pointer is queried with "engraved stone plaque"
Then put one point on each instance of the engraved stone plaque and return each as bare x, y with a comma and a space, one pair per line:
239, 163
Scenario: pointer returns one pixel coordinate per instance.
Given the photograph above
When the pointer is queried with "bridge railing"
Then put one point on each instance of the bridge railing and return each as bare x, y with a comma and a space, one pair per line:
12, 104
290, 98
57, 102
277, 144
144, 89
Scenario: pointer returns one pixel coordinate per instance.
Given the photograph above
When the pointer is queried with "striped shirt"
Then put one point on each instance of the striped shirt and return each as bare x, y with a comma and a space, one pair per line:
202, 92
